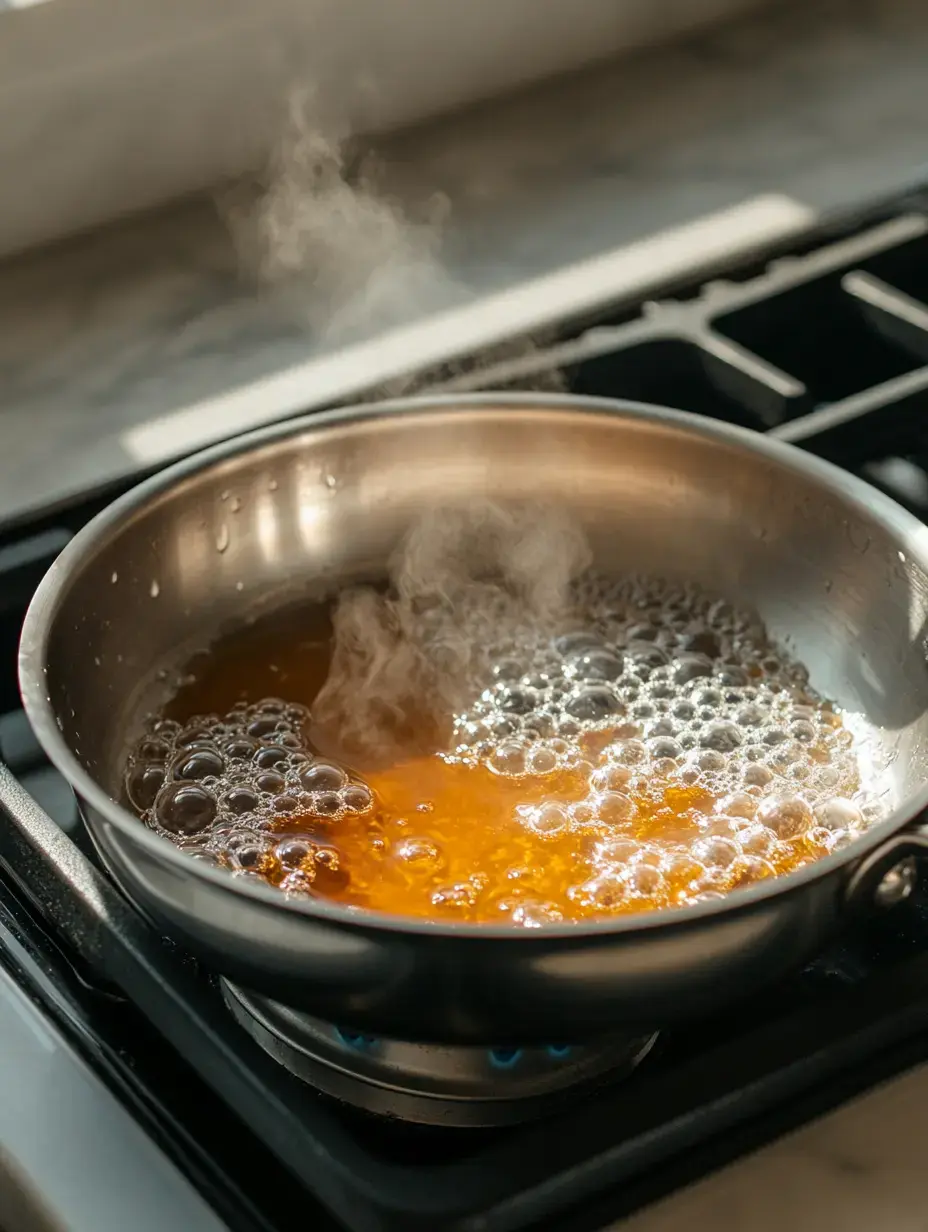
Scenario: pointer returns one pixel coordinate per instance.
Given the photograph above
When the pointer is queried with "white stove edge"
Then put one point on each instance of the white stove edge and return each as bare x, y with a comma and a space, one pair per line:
68, 1144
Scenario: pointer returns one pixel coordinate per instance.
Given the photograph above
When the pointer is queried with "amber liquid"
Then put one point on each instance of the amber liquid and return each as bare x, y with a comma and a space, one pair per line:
446, 840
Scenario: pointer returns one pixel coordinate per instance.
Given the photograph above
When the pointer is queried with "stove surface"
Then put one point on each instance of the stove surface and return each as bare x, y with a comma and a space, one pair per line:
825, 345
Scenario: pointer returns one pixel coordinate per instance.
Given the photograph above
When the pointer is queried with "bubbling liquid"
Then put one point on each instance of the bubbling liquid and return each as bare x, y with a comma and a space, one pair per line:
652, 750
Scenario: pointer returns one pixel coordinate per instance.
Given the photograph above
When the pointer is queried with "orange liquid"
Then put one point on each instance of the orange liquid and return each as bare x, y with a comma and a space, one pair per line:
446, 841
450, 840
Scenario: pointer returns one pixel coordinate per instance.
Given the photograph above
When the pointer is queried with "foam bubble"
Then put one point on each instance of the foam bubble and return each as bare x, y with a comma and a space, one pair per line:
225, 781
693, 697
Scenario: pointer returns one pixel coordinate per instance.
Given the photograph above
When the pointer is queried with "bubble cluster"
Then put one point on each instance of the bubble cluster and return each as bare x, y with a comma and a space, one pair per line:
649, 748
685, 731
244, 790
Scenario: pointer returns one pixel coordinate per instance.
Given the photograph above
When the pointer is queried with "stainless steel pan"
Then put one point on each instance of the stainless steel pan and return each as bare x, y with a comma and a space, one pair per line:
837, 570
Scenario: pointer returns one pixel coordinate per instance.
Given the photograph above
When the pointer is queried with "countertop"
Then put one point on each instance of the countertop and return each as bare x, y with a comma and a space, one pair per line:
858, 1169
823, 103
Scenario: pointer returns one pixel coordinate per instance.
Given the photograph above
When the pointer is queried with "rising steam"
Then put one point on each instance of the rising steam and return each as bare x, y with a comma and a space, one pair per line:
464, 587
320, 221
320, 225
407, 657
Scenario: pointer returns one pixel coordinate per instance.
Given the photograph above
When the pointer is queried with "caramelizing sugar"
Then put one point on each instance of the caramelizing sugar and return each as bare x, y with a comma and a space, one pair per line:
654, 751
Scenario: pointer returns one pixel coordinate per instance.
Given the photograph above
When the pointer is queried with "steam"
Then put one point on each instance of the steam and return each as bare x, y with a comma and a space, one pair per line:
320, 221
464, 582
320, 225
464, 587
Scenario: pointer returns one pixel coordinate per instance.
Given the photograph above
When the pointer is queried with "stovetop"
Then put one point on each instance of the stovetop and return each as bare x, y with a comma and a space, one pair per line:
826, 346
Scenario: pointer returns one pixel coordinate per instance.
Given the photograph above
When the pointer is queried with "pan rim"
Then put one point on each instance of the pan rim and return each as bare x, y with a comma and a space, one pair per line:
902, 525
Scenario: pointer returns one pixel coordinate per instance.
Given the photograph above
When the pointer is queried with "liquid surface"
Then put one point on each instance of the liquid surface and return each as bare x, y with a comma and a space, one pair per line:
651, 750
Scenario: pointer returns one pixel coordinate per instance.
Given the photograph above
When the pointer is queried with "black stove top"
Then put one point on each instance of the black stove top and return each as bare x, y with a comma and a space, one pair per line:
826, 346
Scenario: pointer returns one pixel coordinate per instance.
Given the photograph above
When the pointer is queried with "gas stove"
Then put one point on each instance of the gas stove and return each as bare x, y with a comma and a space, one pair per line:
278, 1119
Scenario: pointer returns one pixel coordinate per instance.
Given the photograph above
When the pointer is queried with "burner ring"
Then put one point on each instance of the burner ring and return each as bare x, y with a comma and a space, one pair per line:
433, 1084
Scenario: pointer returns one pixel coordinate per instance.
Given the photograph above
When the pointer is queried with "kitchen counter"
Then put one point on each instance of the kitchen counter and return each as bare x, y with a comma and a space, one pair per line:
858, 1169
823, 103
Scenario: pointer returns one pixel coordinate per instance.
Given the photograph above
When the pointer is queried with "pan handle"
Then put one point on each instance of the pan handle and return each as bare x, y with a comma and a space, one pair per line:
888, 874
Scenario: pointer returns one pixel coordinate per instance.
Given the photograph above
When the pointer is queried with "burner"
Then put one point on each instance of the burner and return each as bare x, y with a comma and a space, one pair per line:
432, 1084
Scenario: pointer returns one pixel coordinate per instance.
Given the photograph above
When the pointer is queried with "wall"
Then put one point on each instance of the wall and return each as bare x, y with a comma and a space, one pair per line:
110, 106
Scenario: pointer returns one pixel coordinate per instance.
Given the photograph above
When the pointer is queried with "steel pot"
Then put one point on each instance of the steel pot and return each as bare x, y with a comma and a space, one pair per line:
838, 572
